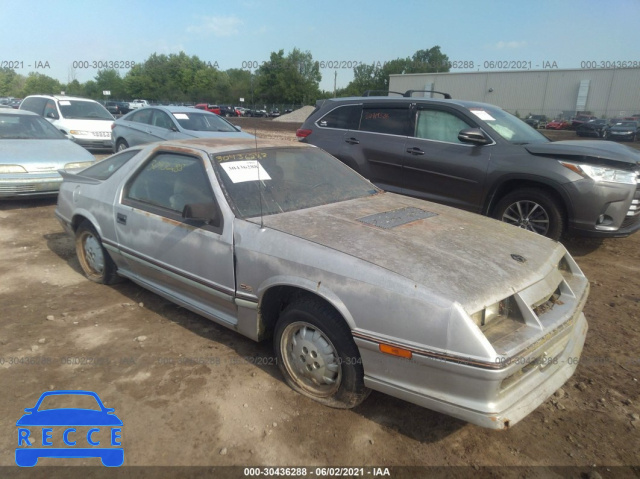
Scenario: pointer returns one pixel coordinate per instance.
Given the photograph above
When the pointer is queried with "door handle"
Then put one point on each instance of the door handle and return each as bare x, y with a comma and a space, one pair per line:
122, 219
415, 151
352, 141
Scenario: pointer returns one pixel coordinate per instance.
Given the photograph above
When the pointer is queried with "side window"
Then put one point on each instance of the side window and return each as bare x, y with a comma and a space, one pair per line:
34, 104
393, 121
50, 110
171, 181
344, 117
162, 120
142, 116
439, 125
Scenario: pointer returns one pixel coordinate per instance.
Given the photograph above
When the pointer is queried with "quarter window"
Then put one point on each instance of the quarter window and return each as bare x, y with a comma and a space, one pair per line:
439, 125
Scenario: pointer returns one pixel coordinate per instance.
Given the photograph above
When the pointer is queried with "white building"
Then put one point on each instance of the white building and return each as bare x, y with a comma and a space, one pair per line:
608, 93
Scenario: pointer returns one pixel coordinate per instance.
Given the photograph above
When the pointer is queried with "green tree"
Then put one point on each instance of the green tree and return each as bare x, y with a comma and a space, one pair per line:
11, 83
376, 75
39, 83
429, 61
110, 80
293, 79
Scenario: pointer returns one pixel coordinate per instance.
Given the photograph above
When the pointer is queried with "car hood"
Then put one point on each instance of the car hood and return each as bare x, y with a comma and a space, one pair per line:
38, 156
605, 153
69, 417
461, 256
217, 134
85, 124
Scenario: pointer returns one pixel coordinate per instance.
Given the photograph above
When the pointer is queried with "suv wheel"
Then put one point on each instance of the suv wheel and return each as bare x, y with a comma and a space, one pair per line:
532, 209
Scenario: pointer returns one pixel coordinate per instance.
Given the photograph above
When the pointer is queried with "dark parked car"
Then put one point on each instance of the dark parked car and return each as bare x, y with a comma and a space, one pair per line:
256, 113
622, 130
580, 119
536, 121
157, 123
228, 111
594, 128
480, 158
117, 107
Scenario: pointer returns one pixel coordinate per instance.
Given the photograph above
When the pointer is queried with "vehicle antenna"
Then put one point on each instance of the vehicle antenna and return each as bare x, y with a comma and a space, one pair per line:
255, 137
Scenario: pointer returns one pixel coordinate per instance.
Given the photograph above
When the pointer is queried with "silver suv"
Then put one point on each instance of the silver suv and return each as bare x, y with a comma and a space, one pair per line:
478, 157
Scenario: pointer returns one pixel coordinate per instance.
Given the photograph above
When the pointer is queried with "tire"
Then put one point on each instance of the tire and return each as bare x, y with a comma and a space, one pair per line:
317, 355
94, 260
532, 209
121, 145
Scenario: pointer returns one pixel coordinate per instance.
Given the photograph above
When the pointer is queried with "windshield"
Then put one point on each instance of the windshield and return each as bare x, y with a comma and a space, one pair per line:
626, 124
509, 127
197, 121
83, 110
27, 127
276, 180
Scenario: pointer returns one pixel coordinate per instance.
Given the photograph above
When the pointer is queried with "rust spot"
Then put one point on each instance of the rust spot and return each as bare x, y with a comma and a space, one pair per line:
319, 283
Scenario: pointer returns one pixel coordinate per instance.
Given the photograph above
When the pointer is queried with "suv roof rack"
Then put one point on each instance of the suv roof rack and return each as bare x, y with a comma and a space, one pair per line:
409, 93
372, 92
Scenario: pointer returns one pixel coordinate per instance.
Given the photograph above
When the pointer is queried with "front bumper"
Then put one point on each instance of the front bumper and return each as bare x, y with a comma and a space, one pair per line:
14, 186
492, 398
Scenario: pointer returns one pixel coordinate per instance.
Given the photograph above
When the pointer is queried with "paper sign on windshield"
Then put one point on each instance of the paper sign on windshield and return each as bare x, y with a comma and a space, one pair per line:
241, 171
181, 116
483, 115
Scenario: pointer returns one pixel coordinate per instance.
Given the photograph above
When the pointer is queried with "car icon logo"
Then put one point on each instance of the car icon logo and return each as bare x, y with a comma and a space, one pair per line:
69, 432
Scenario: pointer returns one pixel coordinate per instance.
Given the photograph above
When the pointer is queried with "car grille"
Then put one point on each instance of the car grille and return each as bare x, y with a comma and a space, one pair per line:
16, 189
102, 134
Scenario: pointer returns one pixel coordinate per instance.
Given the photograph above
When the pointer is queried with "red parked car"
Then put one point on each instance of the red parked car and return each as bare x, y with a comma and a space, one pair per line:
558, 125
208, 107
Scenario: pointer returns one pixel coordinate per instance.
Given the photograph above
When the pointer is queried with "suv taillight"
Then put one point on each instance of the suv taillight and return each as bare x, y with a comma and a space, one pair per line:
302, 133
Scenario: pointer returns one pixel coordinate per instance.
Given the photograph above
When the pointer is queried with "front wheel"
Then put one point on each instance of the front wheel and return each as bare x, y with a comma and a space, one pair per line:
318, 356
95, 262
532, 209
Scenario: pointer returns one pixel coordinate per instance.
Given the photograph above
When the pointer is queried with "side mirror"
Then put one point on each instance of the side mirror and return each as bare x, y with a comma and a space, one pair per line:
52, 115
204, 212
473, 135
239, 128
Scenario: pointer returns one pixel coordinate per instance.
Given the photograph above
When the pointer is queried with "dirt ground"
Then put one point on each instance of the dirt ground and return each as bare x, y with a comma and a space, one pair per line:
191, 393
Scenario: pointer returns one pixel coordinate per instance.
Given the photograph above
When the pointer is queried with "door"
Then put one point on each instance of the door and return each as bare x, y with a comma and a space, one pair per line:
185, 260
138, 128
378, 145
438, 166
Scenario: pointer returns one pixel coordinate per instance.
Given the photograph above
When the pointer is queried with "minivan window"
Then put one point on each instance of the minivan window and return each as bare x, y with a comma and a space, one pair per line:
83, 110
50, 110
34, 104
393, 121
439, 125
344, 118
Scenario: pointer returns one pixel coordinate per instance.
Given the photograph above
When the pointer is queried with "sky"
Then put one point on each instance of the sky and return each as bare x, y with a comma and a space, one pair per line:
49, 36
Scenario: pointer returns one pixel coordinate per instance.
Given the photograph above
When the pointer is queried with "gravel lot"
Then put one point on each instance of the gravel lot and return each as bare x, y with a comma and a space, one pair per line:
190, 392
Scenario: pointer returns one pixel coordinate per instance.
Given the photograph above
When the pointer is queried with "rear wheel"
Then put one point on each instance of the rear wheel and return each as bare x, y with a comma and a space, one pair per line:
318, 356
121, 145
532, 209
95, 261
